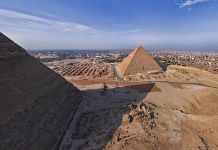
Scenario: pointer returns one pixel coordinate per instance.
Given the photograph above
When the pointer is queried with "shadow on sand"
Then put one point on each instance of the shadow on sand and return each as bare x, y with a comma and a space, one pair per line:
101, 113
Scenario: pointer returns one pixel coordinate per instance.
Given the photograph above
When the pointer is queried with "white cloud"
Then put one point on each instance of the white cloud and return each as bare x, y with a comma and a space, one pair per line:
185, 3
8, 17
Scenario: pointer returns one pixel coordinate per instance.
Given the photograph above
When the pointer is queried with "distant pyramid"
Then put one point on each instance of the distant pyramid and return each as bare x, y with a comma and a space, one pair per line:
10, 49
138, 61
36, 104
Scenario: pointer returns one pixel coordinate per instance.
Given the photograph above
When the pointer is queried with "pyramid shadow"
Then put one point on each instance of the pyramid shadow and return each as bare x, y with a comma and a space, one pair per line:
102, 112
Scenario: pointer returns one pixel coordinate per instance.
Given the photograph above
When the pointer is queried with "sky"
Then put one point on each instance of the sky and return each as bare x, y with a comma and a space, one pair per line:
111, 24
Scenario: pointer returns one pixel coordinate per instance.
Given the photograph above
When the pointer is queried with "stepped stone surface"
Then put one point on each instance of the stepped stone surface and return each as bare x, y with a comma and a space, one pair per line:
36, 104
138, 61
9, 49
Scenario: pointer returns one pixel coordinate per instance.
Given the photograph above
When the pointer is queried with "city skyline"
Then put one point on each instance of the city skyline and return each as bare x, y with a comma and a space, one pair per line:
170, 24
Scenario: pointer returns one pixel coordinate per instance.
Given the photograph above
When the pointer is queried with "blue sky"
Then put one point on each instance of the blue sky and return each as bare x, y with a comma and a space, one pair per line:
82, 24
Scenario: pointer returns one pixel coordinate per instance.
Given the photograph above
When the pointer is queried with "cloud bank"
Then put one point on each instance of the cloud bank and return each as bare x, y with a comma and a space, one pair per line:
29, 21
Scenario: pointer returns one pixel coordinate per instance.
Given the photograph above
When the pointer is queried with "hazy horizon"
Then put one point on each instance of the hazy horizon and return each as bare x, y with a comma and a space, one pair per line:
84, 24
126, 49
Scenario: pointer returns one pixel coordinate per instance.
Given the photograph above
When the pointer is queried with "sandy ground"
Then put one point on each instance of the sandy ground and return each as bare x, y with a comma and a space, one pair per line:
147, 116
175, 109
82, 69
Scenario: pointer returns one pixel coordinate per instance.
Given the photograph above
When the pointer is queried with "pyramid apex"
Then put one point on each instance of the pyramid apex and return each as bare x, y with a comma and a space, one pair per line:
140, 47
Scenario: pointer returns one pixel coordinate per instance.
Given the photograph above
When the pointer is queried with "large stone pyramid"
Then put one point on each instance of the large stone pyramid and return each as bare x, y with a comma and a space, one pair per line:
138, 61
10, 49
36, 104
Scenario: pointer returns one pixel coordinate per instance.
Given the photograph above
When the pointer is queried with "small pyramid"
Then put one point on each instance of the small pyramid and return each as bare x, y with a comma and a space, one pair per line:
9, 49
138, 61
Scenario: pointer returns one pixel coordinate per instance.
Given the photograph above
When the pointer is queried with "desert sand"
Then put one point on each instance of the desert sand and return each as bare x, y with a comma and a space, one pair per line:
173, 109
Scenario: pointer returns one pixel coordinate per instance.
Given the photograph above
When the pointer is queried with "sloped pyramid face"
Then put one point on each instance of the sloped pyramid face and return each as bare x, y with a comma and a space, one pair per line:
9, 48
138, 61
36, 104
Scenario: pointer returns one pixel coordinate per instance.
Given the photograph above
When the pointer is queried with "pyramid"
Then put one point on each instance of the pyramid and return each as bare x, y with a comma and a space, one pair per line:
10, 49
138, 61
36, 104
